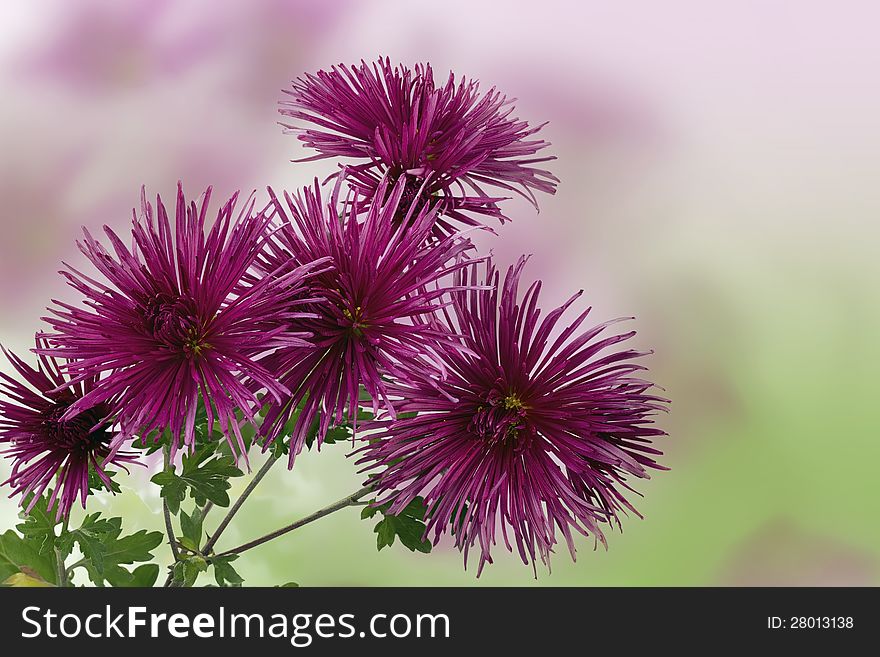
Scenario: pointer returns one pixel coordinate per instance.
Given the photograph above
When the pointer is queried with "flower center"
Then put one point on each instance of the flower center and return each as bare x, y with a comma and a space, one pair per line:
413, 196
80, 433
358, 324
501, 418
512, 403
172, 320
411, 191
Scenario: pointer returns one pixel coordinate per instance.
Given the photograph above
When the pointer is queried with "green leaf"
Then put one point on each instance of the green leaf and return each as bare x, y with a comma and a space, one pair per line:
132, 548
91, 537
106, 551
187, 571
18, 555
177, 573
173, 489
204, 474
334, 435
337, 435
386, 531
144, 576
39, 526
408, 526
98, 539
208, 478
96, 483
191, 528
224, 573
280, 447
288, 585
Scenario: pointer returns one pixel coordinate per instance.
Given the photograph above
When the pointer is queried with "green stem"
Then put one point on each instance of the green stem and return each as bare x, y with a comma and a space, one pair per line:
207, 508
169, 528
78, 564
61, 569
238, 503
347, 501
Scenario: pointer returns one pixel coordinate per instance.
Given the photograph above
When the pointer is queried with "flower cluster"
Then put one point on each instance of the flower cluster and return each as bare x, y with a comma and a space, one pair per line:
300, 314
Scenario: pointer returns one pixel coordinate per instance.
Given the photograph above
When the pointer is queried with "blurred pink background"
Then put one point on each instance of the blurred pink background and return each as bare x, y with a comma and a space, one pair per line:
719, 166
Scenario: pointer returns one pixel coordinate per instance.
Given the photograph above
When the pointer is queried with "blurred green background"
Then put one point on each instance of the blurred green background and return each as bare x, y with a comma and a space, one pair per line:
718, 169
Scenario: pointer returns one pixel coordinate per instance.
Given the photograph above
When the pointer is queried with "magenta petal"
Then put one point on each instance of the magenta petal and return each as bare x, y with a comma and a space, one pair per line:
374, 318
45, 447
446, 140
526, 433
180, 319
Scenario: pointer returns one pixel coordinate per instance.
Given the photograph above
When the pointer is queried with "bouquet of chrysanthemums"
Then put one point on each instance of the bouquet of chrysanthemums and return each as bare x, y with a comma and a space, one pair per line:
355, 309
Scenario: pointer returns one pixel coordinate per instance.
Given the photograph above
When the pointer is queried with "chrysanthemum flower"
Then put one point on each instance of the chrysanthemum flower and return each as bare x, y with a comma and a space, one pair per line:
176, 325
46, 448
375, 317
534, 432
447, 141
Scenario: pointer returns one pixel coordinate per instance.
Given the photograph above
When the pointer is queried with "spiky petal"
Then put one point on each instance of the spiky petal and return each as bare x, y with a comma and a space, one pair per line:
375, 319
446, 140
44, 447
175, 325
535, 430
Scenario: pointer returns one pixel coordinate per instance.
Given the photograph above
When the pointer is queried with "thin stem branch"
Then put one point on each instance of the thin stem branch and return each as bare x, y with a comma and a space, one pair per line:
169, 528
60, 568
347, 501
169, 581
207, 508
71, 568
238, 503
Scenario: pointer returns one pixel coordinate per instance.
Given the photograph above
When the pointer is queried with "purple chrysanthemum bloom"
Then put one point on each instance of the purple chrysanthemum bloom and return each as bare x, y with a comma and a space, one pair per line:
46, 448
177, 326
375, 317
534, 431
448, 141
